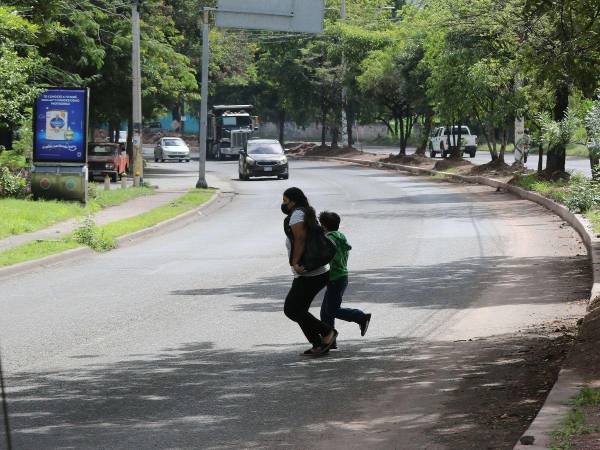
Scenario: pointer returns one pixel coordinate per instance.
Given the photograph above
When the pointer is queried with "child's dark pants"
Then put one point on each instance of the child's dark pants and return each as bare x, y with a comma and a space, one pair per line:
331, 307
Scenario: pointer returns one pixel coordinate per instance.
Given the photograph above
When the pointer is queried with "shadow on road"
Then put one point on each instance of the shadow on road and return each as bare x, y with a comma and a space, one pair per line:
376, 394
542, 280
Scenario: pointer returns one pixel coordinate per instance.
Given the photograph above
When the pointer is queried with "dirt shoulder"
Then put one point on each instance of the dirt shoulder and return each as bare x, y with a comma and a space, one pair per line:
584, 359
496, 169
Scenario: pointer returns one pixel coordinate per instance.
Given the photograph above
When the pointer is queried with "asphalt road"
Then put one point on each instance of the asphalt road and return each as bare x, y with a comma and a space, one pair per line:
179, 341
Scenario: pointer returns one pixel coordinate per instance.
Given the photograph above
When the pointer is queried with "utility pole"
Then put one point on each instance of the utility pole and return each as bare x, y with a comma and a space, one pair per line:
344, 119
138, 158
201, 183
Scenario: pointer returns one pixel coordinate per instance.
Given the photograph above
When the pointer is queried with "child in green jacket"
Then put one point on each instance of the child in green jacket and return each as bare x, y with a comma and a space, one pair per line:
338, 278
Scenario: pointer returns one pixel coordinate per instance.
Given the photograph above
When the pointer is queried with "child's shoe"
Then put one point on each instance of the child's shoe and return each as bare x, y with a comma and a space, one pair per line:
364, 325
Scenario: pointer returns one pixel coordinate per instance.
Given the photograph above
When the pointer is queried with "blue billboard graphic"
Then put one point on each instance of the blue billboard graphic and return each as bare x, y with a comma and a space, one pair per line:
60, 124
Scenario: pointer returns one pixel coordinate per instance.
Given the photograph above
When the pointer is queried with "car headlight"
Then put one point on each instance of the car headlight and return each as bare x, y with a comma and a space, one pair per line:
109, 166
283, 161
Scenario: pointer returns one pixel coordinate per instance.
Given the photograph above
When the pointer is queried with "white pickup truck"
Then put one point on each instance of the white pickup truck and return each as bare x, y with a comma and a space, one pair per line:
438, 142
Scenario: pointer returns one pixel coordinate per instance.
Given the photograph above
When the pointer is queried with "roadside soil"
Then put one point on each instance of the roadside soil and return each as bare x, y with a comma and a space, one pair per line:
496, 169
500, 399
310, 149
585, 359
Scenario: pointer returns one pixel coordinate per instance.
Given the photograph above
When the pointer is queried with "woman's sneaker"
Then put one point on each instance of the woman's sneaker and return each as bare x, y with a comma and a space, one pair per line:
364, 325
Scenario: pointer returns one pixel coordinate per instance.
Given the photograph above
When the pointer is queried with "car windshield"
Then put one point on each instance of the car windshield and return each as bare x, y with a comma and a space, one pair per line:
265, 149
101, 150
173, 143
237, 121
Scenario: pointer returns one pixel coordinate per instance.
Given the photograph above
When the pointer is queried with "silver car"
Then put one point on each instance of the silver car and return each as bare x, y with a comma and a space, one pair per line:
171, 148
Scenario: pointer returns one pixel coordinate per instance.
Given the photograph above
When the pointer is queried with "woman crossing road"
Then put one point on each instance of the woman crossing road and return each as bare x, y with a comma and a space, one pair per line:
300, 216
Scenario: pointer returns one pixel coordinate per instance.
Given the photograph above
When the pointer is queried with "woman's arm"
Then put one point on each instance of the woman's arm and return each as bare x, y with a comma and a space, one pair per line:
299, 232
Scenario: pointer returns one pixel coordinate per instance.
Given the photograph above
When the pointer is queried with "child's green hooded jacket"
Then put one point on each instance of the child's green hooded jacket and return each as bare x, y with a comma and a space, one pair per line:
338, 267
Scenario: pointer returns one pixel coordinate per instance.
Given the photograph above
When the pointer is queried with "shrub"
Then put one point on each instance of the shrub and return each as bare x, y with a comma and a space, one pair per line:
12, 185
89, 234
582, 197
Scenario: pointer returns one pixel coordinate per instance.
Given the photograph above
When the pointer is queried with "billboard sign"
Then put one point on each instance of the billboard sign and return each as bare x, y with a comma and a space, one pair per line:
60, 126
296, 16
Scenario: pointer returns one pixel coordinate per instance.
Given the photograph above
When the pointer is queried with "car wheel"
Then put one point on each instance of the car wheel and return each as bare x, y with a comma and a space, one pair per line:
114, 178
432, 154
472, 154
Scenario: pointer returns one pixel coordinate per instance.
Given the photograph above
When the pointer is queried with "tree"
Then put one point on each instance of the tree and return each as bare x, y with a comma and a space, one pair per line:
561, 49
19, 61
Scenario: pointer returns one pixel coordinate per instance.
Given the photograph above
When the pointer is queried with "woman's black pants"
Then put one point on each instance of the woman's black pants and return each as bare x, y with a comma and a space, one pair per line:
297, 303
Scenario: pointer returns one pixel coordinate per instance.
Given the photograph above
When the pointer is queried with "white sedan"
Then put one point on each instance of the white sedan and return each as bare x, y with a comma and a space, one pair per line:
171, 148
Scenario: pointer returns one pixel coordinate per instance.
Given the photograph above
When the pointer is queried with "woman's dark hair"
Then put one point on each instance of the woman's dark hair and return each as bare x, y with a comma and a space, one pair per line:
330, 220
300, 201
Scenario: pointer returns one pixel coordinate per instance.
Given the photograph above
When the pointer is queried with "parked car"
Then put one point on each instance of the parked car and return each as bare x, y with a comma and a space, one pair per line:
171, 148
263, 158
438, 142
106, 158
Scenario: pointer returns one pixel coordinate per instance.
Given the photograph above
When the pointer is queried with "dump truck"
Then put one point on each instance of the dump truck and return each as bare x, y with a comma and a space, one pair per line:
229, 127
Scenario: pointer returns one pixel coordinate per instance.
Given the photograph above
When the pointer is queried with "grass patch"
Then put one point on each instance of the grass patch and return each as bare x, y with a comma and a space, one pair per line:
117, 196
579, 150
555, 190
594, 217
102, 238
24, 216
192, 199
35, 250
576, 421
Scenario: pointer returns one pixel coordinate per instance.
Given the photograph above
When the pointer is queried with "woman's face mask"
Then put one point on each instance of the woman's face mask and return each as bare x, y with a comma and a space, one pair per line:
286, 206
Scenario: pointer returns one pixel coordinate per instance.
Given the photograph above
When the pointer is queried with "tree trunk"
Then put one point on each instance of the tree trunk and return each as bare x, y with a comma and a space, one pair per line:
594, 161
406, 127
323, 125
504, 141
455, 152
6, 138
427, 124
281, 125
540, 157
349, 123
335, 133
556, 156
402, 140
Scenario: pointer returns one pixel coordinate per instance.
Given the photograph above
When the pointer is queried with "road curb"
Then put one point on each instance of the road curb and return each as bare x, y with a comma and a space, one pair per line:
568, 383
123, 241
